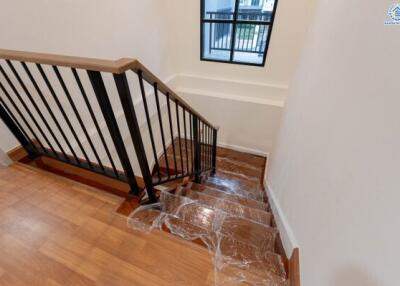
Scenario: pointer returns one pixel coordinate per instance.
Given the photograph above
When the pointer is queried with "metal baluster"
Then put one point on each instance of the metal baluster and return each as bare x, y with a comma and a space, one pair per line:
25, 107
35, 106
103, 141
49, 86
108, 113
49, 110
210, 36
215, 35
146, 109
210, 147
262, 39
202, 146
252, 38
205, 147
161, 127
64, 87
179, 135
83, 127
14, 119
214, 154
248, 37
196, 150
186, 146
16, 129
22, 117
191, 140
172, 133
131, 119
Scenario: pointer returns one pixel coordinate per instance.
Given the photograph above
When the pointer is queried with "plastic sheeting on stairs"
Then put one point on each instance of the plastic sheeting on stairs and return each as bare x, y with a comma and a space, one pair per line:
242, 248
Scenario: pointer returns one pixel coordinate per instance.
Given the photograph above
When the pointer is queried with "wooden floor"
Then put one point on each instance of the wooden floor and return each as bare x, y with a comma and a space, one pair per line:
57, 232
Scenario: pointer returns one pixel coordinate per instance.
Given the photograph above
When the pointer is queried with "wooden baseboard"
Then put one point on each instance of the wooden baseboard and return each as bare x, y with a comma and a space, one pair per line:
17, 154
294, 268
85, 176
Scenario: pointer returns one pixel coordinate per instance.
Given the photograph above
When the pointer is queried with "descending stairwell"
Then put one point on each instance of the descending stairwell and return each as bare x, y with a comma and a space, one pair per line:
228, 213
213, 196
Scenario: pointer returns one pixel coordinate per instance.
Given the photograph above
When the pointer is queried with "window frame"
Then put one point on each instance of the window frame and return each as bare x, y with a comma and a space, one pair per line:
235, 22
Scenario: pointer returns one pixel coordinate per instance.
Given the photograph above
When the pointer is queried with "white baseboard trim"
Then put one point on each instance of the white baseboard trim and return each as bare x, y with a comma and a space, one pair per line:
243, 149
288, 238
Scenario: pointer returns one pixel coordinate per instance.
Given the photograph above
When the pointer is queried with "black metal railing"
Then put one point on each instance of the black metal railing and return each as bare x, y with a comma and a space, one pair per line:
249, 37
85, 112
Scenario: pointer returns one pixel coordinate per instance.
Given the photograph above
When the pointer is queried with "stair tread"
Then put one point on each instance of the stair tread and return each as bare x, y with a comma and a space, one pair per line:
256, 264
232, 184
232, 208
236, 243
218, 193
228, 212
212, 220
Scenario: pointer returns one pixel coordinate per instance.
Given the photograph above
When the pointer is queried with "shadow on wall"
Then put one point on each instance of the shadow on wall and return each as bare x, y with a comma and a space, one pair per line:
353, 276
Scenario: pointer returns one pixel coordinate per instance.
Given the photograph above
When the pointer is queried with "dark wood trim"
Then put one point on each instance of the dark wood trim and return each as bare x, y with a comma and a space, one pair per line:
85, 176
112, 66
294, 268
17, 154
119, 188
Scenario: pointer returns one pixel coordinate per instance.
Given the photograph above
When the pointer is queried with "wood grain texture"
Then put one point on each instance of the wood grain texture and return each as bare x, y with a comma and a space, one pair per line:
294, 268
85, 176
17, 154
113, 66
54, 231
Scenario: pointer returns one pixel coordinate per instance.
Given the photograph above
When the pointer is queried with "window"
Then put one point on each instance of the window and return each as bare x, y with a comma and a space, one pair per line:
236, 31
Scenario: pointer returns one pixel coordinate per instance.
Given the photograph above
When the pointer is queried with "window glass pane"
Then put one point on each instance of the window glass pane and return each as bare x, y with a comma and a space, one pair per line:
217, 40
250, 42
256, 10
219, 9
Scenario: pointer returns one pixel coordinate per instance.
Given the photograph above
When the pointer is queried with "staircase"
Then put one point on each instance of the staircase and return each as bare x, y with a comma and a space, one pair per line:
228, 213
81, 118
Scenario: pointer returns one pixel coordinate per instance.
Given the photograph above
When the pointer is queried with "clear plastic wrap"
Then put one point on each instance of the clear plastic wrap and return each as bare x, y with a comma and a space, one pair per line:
230, 182
242, 248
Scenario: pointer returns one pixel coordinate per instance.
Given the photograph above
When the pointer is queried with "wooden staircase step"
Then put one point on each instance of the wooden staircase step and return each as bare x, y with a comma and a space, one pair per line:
218, 193
234, 259
232, 184
244, 169
232, 208
238, 228
242, 248
252, 160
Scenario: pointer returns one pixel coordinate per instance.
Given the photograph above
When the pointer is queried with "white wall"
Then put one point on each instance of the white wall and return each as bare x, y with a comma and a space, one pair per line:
7, 140
4, 159
92, 28
335, 172
291, 22
165, 36
238, 93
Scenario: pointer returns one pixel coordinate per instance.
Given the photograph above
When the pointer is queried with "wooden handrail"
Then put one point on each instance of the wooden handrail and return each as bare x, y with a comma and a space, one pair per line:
112, 66
150, 78
117, 66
